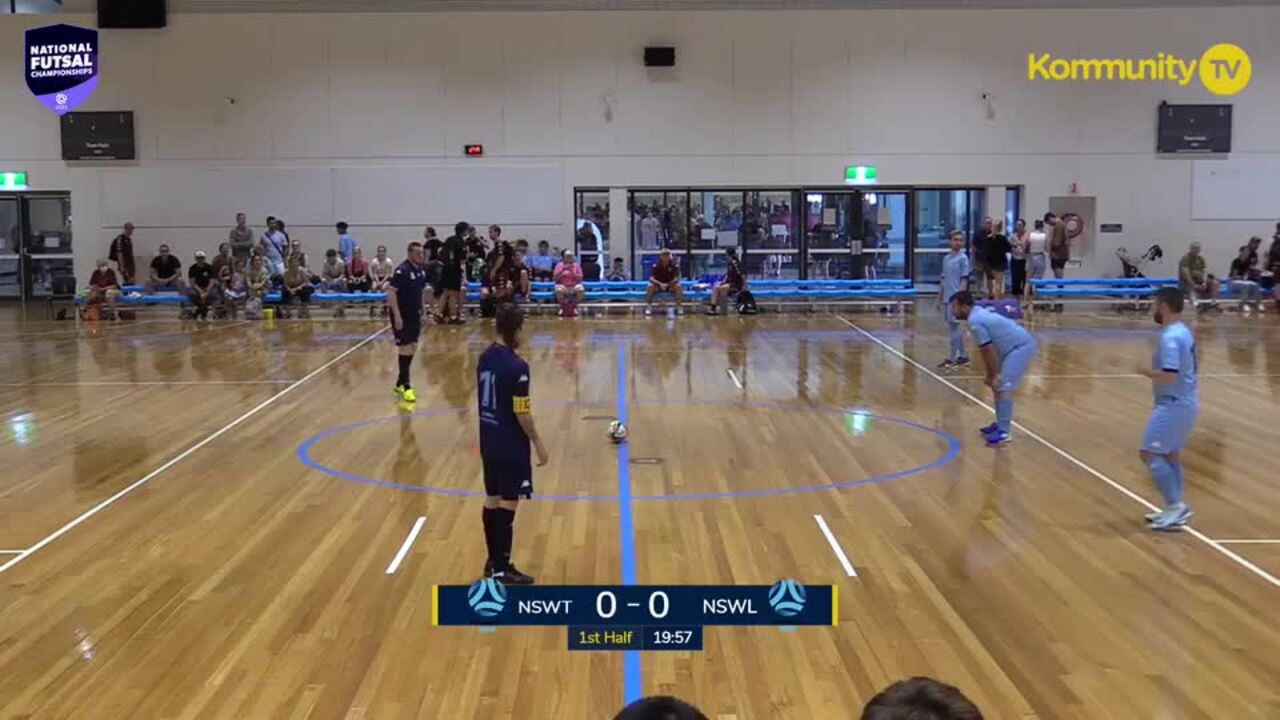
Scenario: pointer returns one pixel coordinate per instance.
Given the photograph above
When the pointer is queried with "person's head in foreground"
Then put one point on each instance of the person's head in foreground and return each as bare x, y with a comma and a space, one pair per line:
660, 707
510, 322
962, 304
1166, 305
920, 698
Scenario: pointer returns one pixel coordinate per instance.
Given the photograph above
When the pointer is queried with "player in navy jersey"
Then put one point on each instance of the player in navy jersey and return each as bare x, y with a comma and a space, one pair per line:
1007, 349
404, 301
1174, 384
506, 432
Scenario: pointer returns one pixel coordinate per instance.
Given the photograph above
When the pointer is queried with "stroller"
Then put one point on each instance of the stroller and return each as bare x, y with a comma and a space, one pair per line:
1133, 267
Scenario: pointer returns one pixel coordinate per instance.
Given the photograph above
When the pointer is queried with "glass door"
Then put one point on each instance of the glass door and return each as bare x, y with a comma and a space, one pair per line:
938, 213
47, 252
840, 232
10, 243
884, 242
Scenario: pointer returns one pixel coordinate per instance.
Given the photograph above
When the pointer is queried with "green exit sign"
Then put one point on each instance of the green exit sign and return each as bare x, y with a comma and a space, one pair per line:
13, 181
860, 174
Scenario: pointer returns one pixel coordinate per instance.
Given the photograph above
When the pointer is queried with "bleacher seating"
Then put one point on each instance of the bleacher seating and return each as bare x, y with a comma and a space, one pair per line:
1095, 289
767, 292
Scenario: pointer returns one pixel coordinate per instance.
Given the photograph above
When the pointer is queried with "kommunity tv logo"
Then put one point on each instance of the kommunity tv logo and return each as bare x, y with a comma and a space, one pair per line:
1223, 69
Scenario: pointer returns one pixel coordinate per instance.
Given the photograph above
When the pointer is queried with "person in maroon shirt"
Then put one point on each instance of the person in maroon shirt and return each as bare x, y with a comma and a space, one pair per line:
121, 253
734, 280
664, 277
103, 285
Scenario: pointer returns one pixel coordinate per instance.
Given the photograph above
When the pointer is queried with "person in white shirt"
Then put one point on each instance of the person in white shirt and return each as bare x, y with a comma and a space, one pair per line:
1037, 254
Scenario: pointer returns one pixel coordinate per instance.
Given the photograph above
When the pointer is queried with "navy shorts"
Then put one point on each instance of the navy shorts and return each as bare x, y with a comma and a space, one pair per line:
509, 479
410, 332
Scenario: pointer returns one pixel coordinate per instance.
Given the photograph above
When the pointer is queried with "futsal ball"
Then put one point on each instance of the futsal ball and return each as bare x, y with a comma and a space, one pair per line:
787, 597
617, 432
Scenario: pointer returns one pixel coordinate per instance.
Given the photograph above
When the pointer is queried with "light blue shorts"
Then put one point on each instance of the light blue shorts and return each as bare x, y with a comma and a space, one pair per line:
1169, 426
1014, 365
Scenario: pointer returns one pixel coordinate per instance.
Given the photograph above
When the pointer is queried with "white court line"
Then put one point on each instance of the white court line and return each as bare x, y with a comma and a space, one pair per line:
10, 552
180, 456
126, 383
734, 376
408, 543
1121, 376
835, 546
1250, 542
1073, 459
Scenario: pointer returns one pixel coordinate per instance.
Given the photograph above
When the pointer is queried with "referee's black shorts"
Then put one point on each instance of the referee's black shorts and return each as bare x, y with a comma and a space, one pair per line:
508, 479
410, 331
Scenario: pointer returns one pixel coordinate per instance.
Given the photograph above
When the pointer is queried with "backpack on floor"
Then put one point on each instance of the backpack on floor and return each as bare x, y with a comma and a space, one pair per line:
253, 308
747, 303
488, 306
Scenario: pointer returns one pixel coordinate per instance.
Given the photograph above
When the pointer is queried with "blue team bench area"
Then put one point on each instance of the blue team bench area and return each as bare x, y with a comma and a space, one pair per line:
1100, 288
779, 292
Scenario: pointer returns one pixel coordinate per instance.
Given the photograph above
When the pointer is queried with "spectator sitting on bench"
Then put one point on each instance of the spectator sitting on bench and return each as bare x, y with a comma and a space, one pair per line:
381, 270
617, 273
543, 265
1242, 283
1194, 279
234, 285
222, 259
508, 277
591, 268
734, 281
333, 274
166, 272
297, 284
568, 278
104, 286
258, 280
665, 277
204, 285
358, 277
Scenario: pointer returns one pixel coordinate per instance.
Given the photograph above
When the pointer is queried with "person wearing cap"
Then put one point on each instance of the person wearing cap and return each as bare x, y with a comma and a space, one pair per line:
568, 279
166, 272
664, 277
203, 285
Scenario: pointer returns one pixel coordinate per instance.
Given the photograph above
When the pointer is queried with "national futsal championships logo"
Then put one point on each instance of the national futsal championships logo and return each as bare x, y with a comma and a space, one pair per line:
1223, 69
60, 64
487, 597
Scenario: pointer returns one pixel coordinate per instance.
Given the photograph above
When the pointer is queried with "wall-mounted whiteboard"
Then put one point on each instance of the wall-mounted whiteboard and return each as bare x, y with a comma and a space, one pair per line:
514, 195
184, 197
1238, 188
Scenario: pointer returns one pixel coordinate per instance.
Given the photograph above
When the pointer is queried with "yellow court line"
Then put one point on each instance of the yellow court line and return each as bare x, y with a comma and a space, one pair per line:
835, 605
435, 605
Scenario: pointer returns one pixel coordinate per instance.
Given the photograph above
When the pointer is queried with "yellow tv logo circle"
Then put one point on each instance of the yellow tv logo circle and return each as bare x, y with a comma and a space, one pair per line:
1225, 69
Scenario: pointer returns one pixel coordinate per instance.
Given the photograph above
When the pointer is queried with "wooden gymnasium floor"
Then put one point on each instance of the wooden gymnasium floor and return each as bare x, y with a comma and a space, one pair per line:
182, 562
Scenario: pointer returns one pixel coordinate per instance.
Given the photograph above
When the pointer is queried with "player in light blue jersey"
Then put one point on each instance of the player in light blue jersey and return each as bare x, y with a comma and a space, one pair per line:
1173, 382
955, 277
1007, 350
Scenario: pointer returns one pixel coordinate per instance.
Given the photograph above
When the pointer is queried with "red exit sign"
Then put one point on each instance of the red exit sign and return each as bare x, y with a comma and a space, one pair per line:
475, 150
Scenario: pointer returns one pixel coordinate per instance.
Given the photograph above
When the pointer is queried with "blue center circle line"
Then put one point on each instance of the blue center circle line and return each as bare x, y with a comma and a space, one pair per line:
952, 451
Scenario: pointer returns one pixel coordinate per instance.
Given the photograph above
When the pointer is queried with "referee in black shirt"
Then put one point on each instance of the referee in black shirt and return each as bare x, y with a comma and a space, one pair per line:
404, 299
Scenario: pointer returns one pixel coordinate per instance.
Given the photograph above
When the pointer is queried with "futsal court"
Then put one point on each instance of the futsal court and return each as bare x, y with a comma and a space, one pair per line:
237, 520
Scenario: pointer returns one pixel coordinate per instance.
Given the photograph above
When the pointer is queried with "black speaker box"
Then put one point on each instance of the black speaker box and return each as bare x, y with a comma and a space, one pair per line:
132, 14
659, 57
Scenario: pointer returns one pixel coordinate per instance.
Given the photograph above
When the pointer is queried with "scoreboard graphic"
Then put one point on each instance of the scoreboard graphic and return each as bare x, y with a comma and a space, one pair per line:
634, 617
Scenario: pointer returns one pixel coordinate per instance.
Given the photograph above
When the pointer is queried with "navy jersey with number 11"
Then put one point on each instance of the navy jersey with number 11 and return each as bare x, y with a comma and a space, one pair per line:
503, 386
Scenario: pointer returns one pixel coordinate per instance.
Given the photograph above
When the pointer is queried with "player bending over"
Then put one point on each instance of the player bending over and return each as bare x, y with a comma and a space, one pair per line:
1007, 349
506, 431
1173, 382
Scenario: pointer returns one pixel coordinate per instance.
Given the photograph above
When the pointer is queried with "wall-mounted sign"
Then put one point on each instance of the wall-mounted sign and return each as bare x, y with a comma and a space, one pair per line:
13, 180
1111, 228
61, 65
860, 174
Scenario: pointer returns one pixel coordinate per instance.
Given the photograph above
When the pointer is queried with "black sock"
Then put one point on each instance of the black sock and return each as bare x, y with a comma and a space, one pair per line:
490, 518
403, 377
505, 531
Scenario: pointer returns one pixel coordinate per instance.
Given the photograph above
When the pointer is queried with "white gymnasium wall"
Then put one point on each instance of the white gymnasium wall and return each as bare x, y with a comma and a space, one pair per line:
363, 117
